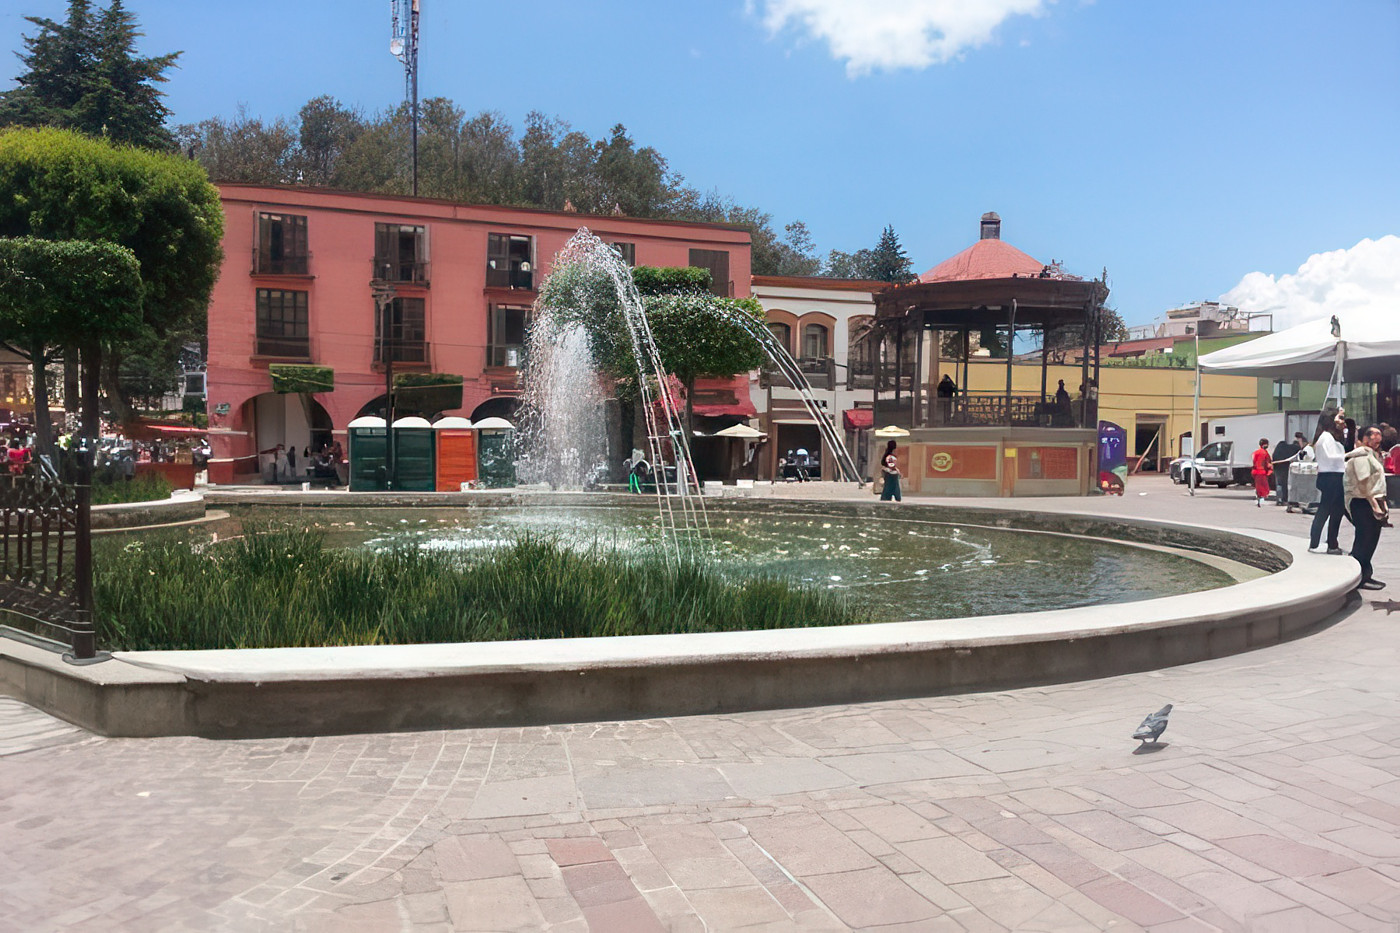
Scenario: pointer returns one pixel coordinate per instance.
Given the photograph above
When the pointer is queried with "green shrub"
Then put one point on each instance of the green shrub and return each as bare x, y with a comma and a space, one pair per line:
144, 488
282, 587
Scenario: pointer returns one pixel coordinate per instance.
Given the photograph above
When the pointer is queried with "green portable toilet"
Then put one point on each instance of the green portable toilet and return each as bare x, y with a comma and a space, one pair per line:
368, 439
495, 452
414, 462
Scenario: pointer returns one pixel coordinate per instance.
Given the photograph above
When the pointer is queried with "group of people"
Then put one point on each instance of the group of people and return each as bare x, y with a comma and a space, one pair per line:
280, 463
1351, 483
798, 466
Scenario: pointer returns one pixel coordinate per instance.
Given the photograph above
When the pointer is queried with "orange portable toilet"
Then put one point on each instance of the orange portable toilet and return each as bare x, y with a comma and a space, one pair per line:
456, 453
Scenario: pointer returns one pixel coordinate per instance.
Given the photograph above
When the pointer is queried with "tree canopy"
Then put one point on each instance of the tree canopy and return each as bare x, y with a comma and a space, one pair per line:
84, 74
57, 292
61, 185
885, 262
695, 331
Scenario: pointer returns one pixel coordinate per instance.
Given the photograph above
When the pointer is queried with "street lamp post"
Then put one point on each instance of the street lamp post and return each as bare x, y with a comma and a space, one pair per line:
384, 293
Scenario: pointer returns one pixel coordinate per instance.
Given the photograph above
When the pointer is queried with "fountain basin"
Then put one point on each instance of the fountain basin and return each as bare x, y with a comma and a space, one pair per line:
310, 691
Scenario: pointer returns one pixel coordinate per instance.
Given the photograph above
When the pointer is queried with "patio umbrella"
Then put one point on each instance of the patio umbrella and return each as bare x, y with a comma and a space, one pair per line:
740, 430
891, 430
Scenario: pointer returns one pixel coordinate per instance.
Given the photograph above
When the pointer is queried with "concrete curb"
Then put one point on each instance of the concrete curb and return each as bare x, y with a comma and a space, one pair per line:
320, 691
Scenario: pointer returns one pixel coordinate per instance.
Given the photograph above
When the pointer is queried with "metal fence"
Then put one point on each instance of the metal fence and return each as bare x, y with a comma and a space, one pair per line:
46, 558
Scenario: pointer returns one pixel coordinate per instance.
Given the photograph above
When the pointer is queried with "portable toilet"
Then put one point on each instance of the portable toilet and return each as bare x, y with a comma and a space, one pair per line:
456, 453
414, 460
368, 446
495, 445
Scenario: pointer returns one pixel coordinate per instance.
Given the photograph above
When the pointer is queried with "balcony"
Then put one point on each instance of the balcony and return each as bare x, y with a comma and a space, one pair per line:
863, 376
515, 277
264, 263
507, 356
820, 373
400, 271
283, 348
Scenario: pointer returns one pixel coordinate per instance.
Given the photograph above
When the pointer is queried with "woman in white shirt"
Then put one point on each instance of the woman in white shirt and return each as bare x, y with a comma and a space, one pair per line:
1331, 464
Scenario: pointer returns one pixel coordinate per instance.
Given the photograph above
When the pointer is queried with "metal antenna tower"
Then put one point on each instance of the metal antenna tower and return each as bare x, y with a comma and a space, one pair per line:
403, 45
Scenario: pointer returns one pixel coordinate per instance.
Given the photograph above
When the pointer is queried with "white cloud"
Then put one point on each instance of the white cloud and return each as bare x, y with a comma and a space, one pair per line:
1365, 278
893, 34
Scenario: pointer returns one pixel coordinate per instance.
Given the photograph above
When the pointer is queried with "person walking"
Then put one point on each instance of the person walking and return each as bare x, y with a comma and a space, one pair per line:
889, 467
1365, 492
1263, 466
1329, 454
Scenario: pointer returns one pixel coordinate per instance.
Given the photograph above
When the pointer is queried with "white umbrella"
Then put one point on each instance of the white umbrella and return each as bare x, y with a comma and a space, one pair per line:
891, 430
740, 430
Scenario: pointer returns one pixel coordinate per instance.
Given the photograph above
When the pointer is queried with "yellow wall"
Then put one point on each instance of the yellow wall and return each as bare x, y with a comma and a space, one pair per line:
1127, 393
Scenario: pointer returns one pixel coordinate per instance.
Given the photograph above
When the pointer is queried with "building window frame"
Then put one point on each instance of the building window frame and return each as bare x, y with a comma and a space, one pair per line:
408, 330
505, 336
716, 261
628, 252
816, 341
282, 325
401, 254
510, 261
280, 244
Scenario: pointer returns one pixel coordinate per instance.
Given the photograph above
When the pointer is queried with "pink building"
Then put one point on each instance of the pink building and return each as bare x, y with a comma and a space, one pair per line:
295, 288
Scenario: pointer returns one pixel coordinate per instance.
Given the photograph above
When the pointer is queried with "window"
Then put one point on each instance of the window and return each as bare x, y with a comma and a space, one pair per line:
281, 326
407, 332
628, 252
783, 334
717, 261
281, 245
815, 342
507, 337
510, 261
401, 253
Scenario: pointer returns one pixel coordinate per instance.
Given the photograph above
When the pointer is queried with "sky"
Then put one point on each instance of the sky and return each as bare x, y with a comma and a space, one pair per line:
1194, 149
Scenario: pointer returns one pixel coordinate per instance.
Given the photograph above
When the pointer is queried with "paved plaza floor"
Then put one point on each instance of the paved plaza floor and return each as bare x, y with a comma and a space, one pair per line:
1273, 804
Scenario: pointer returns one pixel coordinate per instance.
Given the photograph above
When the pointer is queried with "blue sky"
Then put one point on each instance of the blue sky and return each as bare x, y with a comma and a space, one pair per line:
1181, 145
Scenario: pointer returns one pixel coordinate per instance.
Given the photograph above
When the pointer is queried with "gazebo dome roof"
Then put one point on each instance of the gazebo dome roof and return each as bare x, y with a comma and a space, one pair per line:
988, 258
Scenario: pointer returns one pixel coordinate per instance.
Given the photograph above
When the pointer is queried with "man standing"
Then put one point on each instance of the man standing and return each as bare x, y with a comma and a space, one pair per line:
1365, 496
947, 388
1284, 454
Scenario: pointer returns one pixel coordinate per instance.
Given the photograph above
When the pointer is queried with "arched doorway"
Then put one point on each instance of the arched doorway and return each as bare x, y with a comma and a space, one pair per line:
504, 406
296, 421
402, 409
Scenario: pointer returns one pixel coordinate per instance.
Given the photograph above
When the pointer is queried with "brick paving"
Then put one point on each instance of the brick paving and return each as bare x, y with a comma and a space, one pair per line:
1272, 804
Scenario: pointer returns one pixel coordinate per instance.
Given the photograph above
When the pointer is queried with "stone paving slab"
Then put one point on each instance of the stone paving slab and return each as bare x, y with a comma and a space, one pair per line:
1272, 804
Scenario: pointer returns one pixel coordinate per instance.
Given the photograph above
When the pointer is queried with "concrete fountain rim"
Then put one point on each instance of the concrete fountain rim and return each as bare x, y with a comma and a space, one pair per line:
287, 691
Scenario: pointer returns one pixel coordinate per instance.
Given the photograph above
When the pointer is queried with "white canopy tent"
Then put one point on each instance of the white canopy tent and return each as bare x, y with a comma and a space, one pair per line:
1356, 346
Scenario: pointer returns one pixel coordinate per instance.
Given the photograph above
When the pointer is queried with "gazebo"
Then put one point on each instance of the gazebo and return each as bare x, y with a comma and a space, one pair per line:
1020, 441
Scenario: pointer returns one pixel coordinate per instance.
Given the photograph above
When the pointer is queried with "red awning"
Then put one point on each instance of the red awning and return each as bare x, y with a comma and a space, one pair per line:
858, 419
742, 408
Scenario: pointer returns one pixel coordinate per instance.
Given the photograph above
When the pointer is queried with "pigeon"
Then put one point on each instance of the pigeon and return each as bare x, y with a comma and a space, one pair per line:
1153, 726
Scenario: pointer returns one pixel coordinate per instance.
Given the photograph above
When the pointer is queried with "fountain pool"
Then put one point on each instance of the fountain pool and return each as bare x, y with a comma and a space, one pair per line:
915, 567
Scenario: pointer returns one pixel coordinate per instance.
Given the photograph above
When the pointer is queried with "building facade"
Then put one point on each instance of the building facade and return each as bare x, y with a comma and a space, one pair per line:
460, 281
825, 324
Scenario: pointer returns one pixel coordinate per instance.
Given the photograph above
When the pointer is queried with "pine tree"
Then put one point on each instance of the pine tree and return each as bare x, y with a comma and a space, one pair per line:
84, 74
888, 262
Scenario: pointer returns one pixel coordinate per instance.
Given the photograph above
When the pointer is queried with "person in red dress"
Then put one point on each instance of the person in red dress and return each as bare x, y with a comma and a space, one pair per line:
1263, 466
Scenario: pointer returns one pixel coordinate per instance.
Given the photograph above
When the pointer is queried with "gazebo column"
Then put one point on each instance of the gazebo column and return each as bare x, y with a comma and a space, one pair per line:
1010, 355
1044, 361
917, 389
1088, 332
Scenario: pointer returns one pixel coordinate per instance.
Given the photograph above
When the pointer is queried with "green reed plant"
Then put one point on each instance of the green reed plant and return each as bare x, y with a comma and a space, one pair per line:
144, 488
283, 587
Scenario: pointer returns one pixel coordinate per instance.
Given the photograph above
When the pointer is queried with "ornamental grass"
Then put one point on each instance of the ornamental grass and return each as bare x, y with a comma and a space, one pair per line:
284, 587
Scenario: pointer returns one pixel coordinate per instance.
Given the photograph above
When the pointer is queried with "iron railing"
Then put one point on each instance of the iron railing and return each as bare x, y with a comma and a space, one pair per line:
46, 557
